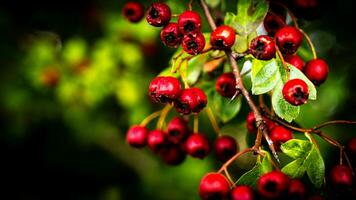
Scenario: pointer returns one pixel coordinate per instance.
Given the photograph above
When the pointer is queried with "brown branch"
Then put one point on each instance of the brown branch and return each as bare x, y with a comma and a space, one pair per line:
333, 122
227, 163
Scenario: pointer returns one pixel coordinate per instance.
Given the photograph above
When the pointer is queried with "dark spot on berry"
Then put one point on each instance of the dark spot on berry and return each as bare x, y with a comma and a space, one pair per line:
164, 99
192, 45
170, 37
199, 107
288, 46
260, 47
153, 13
200, 153
299, 95
129, 12
214, 197
219, 44
189, 26
174, 133
271, 186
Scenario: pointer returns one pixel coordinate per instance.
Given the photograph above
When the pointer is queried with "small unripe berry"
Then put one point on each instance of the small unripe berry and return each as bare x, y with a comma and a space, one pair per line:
223, 37
280, 135
317, 71
296, 190
273, 184
226, 85
133, 11
295, 60
177, 130
341, 175
296, 92
164, 89
170, 35
172, 155
156, 140
158, 14
197, 145
273, 22
214, 186
136, 136
189, 22
191, 100
288, 39
225, 147
242, 192
263, 47
193, 44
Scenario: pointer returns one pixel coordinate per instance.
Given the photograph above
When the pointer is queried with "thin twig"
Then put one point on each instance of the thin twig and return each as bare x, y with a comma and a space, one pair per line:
227, 163
149, 118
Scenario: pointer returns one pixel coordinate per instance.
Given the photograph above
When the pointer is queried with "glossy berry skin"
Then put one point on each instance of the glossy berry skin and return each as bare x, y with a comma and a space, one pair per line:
156, 140
296, 189
295, 60
351, 146
172, 155
223, 37
191, 100
273, 184
225, 147
242, 192
214, 186
197, 145
193, 44
296, 92
170, 35
225, 85
273, 23
158, 14
341, 175
317, 71
165, 89
136, 136
133, 11
189, 22
280, 135
288, 39
263, 48
177, 130
251, 123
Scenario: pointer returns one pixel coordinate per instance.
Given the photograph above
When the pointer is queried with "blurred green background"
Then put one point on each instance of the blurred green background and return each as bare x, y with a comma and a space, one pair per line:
73, 79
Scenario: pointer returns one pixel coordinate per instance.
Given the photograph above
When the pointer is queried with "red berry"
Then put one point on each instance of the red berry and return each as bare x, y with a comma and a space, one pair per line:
280, 135
192, 100
273, 184
295, 60
136, 136
341, 175
156, 140
296, 92
351, 146
164, 89
197, 145
263, 47
172, 155
225, 147
158, 14
296, 189
317, 71
251, 123
226, 85
133, 11
288, 39
193, 44
170, 35
223, 37
214, 186
242, 192
273, 23
177, 130
189, 22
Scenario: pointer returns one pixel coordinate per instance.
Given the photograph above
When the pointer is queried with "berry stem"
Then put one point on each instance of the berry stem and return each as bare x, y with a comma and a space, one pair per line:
190, 5
227, 163
228, 176
310, 43
333, 122
196, 124
279, 53
163, 116
149, 118
312, 139
213, 121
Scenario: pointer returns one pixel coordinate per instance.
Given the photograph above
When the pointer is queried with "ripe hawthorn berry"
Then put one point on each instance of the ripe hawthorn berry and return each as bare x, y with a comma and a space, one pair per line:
193, 44
296, 190
273, 184
191, 100
172, 155
263, 47
317, 71
273, 22
156, 140
296, 92
170, 35
223, 37
197, 145
164, 89
295, 60
189, 22
158, 14
288, 39
280, 135
251, 123
177, 130
214, 186
341, 175
242, 192
226, 85
136, 136
225, 147
133, 11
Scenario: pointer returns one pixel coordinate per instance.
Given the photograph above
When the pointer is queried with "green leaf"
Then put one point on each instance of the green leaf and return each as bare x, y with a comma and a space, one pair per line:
295, 169
296, 148
265, 76
296, 73
282, 108
316, 168
224, 108
230, 18
213, 3
195, 67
